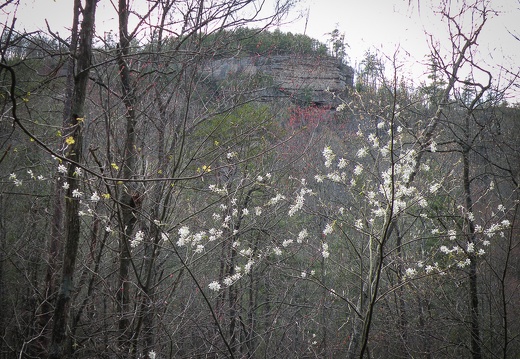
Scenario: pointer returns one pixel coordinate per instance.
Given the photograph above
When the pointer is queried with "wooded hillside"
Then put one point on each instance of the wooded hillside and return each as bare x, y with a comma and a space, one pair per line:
160, 199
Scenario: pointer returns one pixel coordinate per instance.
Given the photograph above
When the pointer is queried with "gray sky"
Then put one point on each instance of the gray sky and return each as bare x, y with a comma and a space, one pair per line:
390, 25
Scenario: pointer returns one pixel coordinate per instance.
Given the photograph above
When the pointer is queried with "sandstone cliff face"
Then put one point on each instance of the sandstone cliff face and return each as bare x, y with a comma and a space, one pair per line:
301, 78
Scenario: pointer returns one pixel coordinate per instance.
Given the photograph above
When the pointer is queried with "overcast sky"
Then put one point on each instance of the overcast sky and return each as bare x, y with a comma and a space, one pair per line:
384, 25
388, 25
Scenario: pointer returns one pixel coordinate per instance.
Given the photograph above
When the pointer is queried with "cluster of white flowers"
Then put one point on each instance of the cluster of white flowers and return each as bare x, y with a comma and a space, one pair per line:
138, 239
239, 272
228, 281
410, 272
497, 228
454, 249
358, 169
214, 234
17, 182
433, 146
362, 152
329, 156
279, 197
231, 155
222, 191
452, 234
435, 187
95, 197
300, 199
431, 268
246, 252
184, 234
302, 235
215, 286
328, 229
342, 163
374, 140
464, 263
325, 250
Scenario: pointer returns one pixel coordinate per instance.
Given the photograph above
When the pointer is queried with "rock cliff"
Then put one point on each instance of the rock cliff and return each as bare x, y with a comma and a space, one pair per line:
301, 78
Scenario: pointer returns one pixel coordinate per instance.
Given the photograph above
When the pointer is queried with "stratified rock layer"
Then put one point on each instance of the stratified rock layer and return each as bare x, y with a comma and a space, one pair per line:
302, 78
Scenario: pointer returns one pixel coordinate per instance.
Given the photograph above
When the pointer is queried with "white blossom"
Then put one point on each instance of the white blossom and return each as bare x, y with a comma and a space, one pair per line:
76, 193
325, 250
328, 229
287, 242
362, 152
247, 252
433, 146
302, 235
329, 156
410, 272
95, 197
214, 286
452, 234
445, 250
276, 199
138, 238
184, 236
248, 266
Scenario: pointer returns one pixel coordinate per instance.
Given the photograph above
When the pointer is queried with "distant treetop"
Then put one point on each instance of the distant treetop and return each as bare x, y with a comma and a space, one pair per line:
247, 41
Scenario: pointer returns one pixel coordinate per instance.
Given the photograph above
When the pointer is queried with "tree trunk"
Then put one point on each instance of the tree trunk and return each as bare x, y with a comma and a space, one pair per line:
476, 351
73, 130
129, 197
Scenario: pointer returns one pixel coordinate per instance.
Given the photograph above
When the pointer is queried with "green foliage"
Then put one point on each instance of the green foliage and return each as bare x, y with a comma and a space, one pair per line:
245, 41
248, 124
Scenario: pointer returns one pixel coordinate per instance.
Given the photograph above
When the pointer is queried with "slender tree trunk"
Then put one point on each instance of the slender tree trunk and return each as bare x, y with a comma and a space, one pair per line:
130, 198
476, 350
73, 131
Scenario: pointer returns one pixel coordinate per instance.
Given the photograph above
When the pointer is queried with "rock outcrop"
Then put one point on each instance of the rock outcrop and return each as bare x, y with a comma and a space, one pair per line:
301, 78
